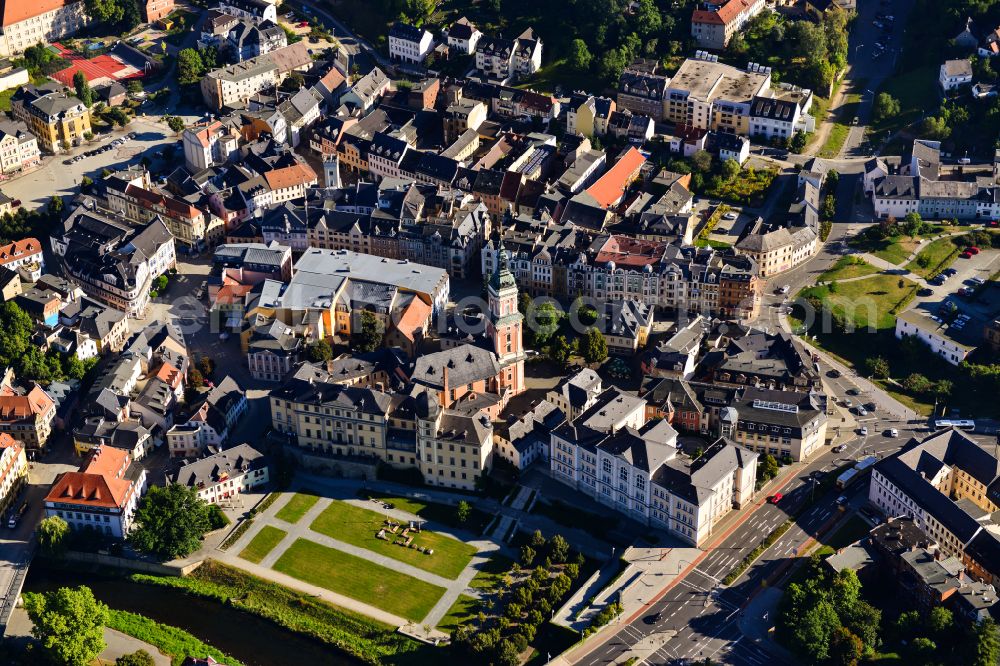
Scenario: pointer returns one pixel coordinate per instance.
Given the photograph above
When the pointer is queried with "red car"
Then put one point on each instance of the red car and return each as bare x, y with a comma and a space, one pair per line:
972, 250
303, 24
775, 498
993, 223
966, 255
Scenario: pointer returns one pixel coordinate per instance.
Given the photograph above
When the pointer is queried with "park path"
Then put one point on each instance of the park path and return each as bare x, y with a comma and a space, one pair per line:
452, 588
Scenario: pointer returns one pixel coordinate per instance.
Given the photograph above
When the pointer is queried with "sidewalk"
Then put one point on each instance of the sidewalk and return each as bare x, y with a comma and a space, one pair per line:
758, 618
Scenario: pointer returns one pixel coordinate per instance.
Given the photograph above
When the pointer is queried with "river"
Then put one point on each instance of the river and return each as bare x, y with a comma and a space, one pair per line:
252, 640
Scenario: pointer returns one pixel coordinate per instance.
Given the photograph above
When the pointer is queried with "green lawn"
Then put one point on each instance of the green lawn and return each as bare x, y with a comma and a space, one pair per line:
842, 127
935, 257
873, 301
358, 527
491, 573
262, 544
359, 579
918, 93
557, 73
461, 611
846, 268
433, 511
296, 507
855, 528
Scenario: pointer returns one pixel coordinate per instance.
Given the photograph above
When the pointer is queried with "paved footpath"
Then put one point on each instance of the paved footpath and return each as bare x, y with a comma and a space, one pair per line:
452, 588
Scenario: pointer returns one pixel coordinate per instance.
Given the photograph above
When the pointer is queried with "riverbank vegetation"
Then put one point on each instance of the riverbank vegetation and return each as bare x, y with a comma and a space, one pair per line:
175, 642
367, 640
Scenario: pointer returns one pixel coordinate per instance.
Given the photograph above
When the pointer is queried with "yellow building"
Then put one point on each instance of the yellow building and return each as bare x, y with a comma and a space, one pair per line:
57, 118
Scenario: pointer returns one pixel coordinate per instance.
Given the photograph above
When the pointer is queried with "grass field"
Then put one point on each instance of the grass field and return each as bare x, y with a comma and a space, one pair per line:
359, 579
461, 611
262, 544
490, 575
358, 527
918, 93
846, 268
838, 133
870, 302
433, 511
935, 256
852, 530
296, 507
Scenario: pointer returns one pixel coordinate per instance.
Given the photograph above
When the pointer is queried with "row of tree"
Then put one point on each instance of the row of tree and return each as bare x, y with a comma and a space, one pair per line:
509, 622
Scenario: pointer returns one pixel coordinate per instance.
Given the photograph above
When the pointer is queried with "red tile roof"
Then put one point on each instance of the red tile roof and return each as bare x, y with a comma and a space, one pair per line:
15, 407
414, 319
610, 187
626, 251
297, 174
725, 14
18, 249
15, 11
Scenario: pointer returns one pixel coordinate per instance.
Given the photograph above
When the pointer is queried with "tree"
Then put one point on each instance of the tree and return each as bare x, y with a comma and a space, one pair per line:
730, 168
217, 518
917, 384
886, 106
189, 66
133, 86
53, 533
137, 658
797, 143
579, 55
537, 540
195, 378
105, 11
942, 389
829, 209
506, 653
320, 351
559, 350
170, 522
206, 365
372, 330
768, 468
845, 648
68, 624
877, 367
527, 555
939, 620
595, 347
55, 206
986, 644
558, 548
175, 123
83, 90
701, 160
815, 630
543, 321
935, 127
463, 511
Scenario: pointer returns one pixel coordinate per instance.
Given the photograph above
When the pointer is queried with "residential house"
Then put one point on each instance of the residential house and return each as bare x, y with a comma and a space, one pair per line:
626, 326
55, 117
211, 424
248, 40
463, 36
27, 416
13, 471
409, 43
103, 496
225, 475
255, 10
709, 95
233, 86
714, 26
954, 74
18, 147
367, 90
25, 257
951, 343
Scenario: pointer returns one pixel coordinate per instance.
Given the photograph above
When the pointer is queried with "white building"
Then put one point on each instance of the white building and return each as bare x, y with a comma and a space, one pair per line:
780, 113
255, 10
641, 473
207, 145
102, 496
944, 340
28, 23
409, 43
226, 474
18, 147
955, 74
24, 256
463, 36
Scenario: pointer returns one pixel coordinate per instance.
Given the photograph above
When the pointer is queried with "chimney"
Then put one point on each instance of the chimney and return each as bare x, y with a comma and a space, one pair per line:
446, 402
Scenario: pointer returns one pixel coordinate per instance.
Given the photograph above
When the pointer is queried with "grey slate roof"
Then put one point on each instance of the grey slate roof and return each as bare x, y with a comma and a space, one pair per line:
231, 462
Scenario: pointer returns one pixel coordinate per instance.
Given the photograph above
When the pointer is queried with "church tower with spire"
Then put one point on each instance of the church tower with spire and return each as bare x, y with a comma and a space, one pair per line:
506, 324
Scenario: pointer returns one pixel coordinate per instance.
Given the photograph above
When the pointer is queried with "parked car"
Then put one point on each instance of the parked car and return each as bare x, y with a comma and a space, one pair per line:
775, 498
863, 431
973, 249
966, 255
893, 432
839, 448
853, 391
